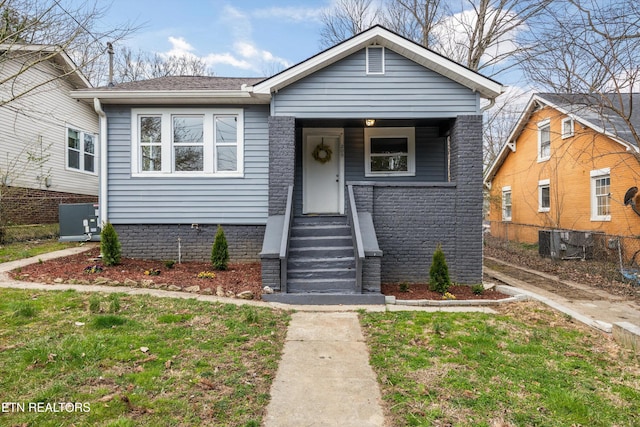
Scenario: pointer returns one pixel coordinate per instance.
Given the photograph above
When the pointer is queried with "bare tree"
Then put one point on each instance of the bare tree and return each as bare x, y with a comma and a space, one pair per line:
54, 25
594, 51
133, 66
347, 18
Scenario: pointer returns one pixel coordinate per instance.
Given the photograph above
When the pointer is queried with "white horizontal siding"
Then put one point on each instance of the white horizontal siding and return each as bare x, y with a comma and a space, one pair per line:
405, 90
36, 124
180, 200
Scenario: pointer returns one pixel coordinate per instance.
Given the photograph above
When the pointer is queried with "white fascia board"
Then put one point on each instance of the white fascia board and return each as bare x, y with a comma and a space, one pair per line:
172, 96
378, 35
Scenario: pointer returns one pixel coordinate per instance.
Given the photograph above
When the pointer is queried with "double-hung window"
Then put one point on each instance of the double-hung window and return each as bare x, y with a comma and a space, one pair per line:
390, 151
506, 203
544, 196
600, 192
567, 127
187, 142
544, 140
81, 150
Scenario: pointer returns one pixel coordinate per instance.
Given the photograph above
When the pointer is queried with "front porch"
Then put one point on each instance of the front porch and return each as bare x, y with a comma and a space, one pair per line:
373, 212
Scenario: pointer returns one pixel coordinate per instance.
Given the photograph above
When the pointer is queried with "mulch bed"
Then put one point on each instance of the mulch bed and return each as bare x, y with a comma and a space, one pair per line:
421, 291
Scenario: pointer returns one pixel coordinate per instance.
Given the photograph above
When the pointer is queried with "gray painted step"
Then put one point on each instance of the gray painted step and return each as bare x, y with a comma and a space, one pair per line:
325, 299
310, 241
316, 263
321, 273
320, 230
346, 286
317, 220
321, 252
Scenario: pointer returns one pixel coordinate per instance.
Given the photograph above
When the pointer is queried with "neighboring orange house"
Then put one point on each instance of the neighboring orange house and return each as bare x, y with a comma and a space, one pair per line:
567, 164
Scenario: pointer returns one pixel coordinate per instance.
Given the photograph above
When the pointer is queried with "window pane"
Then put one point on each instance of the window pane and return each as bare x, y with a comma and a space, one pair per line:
545, 144
544, 197
89, 144
150, 129
188, 159
602, 195
151, 158
397, 163
74, 139
227, 159
389, 145
74, 159
226, 129
89, 163
187, 129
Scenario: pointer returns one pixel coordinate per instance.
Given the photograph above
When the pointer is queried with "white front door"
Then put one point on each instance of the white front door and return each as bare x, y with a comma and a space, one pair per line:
322, 171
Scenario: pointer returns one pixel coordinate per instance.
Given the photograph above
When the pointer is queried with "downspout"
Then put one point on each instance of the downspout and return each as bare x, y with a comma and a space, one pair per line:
492, 102
102, 195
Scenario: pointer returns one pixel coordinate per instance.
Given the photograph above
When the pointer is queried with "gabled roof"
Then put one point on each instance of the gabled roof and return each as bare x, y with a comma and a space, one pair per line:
57, 55
380, 36
595, 111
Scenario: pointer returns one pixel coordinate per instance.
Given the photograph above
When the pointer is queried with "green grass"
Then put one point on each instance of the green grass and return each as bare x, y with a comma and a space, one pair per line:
142, 361
528, 367
20, 250
21, 233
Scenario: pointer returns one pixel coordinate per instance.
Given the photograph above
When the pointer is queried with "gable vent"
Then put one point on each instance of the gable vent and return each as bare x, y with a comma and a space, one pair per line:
375, 60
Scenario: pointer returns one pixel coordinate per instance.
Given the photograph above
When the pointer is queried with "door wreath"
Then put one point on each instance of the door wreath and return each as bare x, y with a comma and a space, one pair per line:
322, 153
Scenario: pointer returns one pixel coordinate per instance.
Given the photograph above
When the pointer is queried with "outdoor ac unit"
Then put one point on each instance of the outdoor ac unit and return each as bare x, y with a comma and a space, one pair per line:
79, 222
565, 244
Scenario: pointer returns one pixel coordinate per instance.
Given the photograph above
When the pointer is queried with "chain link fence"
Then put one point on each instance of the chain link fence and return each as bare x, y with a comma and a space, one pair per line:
612, 256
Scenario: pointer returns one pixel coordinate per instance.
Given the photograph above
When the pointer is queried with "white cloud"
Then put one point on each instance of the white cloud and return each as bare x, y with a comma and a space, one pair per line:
294, 14
214, 59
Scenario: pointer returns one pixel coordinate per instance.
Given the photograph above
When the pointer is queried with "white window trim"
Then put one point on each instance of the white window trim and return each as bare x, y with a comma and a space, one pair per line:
82, 133
507, 189
210, 151
542, 184
542, 124
400, 132
594, 175
570, 134
382, 59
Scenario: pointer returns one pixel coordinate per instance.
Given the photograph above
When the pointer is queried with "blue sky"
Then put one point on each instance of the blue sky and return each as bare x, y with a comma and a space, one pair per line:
243, 38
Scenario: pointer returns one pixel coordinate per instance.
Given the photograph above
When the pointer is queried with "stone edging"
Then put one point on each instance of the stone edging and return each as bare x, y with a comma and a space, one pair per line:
516, 295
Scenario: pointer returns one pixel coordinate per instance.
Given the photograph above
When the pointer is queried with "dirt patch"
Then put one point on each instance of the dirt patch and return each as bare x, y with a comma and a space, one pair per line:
554, 286
592, 273
421, 291
144, 273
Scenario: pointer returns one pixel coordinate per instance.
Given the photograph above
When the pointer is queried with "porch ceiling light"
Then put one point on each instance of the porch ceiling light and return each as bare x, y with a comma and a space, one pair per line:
370, 122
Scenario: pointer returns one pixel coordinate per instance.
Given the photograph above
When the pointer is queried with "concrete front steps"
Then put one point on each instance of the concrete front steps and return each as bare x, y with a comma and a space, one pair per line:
321, 268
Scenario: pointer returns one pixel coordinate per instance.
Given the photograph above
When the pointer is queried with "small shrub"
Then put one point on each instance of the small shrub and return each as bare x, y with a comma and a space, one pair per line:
477, 289
404, 287
220, 251
152, 272
206, 275
92, 269
169, 264
114, 303
439, 272
110, 245
94, 304
448, 295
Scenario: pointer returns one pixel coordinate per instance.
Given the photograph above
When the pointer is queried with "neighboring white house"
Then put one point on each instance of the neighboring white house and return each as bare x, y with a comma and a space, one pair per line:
48, 141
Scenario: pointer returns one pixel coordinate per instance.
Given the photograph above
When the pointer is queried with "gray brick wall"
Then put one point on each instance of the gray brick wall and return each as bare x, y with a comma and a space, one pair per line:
466, 137
371, 274
271, 273
411, 219
282, 135
160, 241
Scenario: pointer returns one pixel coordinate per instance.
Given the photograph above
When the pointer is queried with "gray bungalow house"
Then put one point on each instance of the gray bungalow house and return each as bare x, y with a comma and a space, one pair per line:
340, 173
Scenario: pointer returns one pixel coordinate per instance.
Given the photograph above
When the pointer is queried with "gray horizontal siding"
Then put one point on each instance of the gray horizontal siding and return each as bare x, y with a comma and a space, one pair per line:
184, 200
406, 90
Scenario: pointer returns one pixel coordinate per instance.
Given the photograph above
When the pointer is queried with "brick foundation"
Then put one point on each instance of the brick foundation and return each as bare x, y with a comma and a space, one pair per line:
32, 206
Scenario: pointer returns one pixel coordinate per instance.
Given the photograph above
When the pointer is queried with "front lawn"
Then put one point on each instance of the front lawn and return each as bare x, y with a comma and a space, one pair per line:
528, 366
134, 360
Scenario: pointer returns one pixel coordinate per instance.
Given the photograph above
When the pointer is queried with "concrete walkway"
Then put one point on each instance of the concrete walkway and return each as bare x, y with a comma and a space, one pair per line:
324, 377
